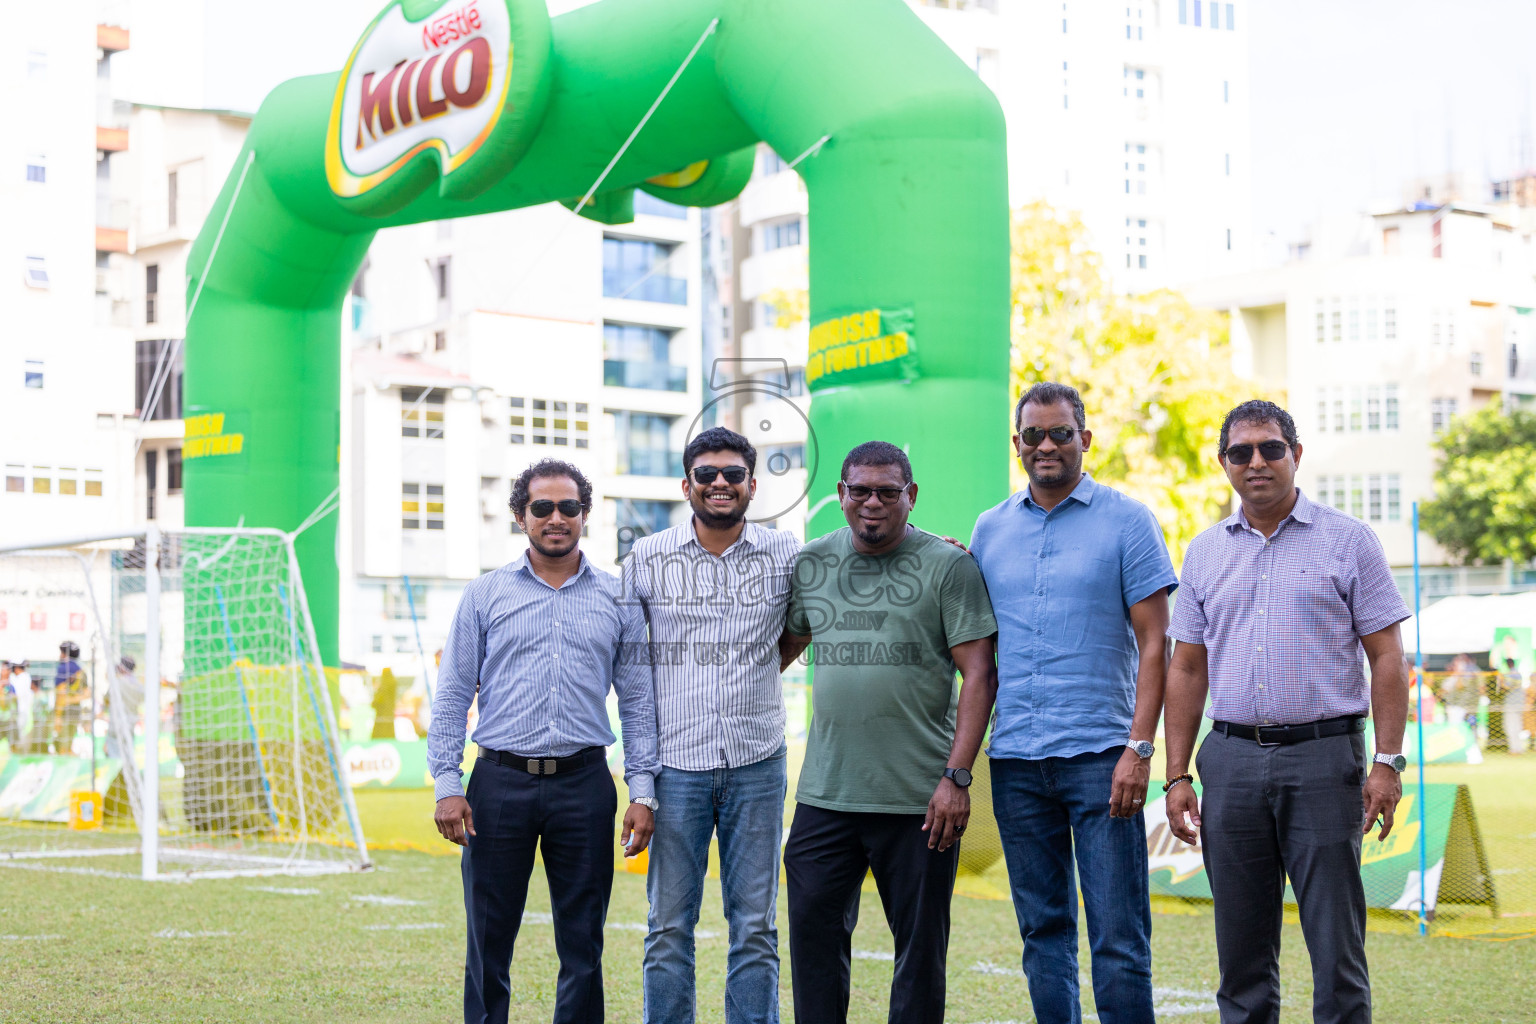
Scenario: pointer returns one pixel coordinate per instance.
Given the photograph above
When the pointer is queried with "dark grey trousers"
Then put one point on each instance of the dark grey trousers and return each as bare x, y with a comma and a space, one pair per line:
1272, 812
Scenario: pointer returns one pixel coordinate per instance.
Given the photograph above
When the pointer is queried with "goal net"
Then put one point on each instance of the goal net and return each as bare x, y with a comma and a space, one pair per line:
165, 712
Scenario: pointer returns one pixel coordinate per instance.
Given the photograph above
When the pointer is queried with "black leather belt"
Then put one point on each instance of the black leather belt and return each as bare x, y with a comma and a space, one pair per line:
1277, 735
544, 765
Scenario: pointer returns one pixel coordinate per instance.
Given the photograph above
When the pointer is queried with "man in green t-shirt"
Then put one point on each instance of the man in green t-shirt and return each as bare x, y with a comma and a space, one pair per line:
891, 612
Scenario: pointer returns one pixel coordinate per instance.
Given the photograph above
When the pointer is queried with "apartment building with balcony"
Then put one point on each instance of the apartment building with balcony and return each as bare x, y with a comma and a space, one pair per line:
65, 360
1381, 330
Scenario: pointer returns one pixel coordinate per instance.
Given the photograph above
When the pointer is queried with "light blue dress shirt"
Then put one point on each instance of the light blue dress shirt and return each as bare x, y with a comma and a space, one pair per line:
543, 659
1062, 584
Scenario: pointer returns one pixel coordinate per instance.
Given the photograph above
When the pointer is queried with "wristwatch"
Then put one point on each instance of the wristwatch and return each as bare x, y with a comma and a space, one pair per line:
1143, 748
959, 776
1397, 762
645, 801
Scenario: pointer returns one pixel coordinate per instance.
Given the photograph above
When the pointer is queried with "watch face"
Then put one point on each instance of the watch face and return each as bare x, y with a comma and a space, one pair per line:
1143, 748
1400, 762
961, 777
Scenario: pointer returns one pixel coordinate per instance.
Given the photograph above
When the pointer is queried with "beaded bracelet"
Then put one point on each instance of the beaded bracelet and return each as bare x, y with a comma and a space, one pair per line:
1186, 777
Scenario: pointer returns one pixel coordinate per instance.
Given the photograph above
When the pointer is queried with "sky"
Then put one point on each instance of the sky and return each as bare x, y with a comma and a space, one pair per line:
1352, 98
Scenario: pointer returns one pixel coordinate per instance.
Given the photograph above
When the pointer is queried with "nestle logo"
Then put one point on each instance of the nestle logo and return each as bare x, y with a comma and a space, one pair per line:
450, 27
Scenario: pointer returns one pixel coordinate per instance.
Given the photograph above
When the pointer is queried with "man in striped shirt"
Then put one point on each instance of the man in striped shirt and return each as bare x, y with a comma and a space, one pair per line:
715, 591
1278, 607
542, 640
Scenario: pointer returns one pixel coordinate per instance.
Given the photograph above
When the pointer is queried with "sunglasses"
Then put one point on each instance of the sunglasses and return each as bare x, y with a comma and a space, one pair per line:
705, 475
1034, 435
570, 508
888, 495
1242, 454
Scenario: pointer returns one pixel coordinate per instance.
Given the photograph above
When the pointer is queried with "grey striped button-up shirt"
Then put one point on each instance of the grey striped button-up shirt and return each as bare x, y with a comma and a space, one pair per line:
715, 626
543, 660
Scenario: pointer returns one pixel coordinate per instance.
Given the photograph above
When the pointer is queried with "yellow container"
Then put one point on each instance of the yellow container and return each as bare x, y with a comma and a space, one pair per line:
639, 863
84, 810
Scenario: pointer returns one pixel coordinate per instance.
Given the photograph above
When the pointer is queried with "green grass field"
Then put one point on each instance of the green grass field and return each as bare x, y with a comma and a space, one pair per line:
387, 946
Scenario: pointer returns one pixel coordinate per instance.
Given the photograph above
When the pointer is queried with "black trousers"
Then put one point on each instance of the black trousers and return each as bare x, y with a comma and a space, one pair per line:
825, 862
1269, 812
570, 818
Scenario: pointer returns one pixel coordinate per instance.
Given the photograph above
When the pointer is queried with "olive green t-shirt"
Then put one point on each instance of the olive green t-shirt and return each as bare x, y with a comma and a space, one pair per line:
883, 690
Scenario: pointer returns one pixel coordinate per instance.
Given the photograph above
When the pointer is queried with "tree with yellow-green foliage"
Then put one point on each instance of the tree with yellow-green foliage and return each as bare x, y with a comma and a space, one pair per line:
1155, 372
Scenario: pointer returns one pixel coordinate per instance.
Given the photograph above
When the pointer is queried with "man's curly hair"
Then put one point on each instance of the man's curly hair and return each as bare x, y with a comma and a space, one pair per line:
545, 468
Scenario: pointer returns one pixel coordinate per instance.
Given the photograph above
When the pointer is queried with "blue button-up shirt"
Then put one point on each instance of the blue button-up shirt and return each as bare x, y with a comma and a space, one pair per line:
1281, 617
543, 659
1062, 584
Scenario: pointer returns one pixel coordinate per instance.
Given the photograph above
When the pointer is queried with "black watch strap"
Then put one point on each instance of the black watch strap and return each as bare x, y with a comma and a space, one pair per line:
959, 776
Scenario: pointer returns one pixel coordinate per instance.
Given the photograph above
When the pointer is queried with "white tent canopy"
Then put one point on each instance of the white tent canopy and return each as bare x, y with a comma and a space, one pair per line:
1465, 624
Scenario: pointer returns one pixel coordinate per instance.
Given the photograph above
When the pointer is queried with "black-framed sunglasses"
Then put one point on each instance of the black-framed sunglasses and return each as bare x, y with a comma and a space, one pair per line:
569, 507
1034, 435
705, 475
888, 495
1242, 454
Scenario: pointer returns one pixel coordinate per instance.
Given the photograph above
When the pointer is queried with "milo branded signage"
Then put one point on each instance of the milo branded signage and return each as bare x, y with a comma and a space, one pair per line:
443, 90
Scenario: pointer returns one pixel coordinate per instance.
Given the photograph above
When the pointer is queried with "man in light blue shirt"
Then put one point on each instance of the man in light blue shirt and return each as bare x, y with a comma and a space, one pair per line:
542, 640
1079, 578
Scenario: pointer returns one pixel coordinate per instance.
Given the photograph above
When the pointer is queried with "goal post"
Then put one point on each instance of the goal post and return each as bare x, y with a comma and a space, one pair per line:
195, 733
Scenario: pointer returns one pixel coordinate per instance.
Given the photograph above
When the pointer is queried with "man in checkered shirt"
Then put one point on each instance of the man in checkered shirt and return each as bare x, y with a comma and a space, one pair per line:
1276, 605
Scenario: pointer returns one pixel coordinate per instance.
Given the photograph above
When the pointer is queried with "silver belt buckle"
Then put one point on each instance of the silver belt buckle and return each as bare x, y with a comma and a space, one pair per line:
536, 766
1258, 736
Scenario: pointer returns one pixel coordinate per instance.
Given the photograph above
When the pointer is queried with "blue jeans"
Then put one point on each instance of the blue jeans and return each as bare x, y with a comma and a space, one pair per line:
746, 806
1042, 806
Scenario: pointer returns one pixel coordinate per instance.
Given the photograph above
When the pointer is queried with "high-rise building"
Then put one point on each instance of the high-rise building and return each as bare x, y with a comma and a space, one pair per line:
1385, 328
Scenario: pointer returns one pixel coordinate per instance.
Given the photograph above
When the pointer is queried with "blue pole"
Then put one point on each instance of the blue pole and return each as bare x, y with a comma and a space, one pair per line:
245, 701
426, 674
1418, 662
309, 686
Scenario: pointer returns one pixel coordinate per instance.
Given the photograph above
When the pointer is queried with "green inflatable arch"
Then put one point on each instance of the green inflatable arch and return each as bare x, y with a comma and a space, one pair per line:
449, 108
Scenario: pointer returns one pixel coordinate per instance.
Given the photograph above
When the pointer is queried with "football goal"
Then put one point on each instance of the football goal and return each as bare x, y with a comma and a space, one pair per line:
165, 713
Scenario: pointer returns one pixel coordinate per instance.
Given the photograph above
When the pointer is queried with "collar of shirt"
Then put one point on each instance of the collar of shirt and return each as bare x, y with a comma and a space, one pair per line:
523, 565
1301, 512
1083, 493
749, 536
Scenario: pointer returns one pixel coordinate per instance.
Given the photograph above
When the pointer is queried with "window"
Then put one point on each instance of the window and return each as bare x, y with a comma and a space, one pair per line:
1338, 410
150, 359
1321, 494
1231, 24
651, 206
1370, 323
1354, 323
1391, 406
439, 340
1141, 261
1229, 239
1356, 411
68, 480
403, 644
37, 169
1226, 92
1389, 323
1373, 409
635, 518
1476, 363
421, 412
434, 508
15, 479
1183, 12
151, 481
634, 268
376, 644
151, 291
769, 162
170, 199
1322, 412
1322, 322
42, 480
410, 506
1394, 497
1356, 494
1441, 412
1373, 498
643, 445
570, 426
35, 270
1228, 159
440, 277
780, 234
173, 470
638, 356
1340, 494
1338, 321
1197, 13
32, 373
518, 421
780, 459
1215, 15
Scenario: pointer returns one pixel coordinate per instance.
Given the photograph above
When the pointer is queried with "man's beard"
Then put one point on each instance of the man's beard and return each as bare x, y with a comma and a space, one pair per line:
718, 520
549, 552
1069, 468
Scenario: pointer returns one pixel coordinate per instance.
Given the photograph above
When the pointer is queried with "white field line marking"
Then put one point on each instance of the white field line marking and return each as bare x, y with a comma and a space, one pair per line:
109, 851
174, 933
987, 967
386, 901
279, 890
29, 938
96, 872
419, 926
871, 954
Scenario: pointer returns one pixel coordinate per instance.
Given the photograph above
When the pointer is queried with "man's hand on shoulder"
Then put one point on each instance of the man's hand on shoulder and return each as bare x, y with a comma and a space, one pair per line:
639, 826
453, 819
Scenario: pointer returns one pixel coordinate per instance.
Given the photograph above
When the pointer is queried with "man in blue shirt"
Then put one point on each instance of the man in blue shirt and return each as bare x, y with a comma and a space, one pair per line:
1079, 578
542, 640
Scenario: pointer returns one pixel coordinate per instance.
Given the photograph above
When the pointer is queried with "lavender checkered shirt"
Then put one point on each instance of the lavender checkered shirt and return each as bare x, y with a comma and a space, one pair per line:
1281, 619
